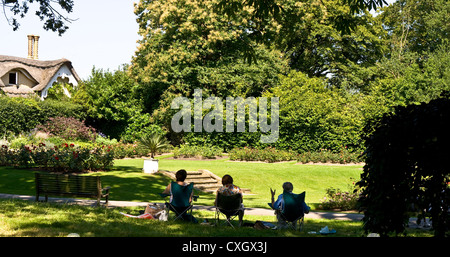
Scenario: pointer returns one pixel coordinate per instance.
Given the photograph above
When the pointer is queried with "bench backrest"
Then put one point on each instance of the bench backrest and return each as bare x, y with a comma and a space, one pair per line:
88, 186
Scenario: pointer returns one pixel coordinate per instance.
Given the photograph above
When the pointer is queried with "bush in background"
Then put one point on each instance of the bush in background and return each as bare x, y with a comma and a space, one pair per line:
190, 151
63, 158
327, 156
343, 200
68, 128
268, 154
20, 115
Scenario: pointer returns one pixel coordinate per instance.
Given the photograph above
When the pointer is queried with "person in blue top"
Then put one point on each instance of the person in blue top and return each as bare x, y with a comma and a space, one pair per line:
278, 205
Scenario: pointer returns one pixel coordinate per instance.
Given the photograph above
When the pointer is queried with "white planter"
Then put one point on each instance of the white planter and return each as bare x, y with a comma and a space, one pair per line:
150, 166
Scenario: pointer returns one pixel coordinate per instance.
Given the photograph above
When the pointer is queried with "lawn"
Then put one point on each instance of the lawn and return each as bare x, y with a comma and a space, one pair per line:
129, 183
20, 218
259, 177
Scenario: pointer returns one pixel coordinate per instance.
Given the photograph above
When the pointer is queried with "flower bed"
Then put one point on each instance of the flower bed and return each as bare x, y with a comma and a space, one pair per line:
324, 156
189, 151
64, 158
343, 200
268, 154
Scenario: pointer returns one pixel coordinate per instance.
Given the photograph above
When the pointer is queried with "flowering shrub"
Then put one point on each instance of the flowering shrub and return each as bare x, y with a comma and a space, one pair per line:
64, 158
324, 156
68, 128
268, 154
188, 151
338, 199
123, 150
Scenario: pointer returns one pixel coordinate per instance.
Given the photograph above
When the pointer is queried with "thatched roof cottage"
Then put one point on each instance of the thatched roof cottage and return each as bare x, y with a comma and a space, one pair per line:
22, 77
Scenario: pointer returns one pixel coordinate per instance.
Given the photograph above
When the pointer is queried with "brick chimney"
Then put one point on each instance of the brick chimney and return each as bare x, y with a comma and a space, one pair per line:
33, 47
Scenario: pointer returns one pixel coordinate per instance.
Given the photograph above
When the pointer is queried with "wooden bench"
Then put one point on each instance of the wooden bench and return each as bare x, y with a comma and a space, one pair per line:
70, 185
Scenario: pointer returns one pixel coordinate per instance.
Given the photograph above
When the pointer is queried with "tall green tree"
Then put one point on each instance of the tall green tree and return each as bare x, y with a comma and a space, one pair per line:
417, 26
264, 13
111, 101
186, 45
314, 116
315, 46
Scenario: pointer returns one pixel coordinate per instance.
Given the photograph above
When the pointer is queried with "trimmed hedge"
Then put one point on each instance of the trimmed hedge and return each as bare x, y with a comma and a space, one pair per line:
18, 115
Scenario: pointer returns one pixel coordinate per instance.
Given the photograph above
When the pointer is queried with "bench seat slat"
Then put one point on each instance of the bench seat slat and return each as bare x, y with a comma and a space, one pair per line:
69, 185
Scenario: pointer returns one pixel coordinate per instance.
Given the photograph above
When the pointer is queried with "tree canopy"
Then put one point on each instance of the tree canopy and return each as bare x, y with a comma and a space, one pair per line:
50, 12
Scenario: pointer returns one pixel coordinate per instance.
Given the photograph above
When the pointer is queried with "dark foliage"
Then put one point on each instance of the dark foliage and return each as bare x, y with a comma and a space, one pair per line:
406, 168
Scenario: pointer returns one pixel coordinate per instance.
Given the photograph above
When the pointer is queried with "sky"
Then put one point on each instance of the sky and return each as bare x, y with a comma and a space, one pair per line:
103, 36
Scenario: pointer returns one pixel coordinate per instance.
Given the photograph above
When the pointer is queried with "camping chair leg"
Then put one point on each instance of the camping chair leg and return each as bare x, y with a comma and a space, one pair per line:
300, 226
227, 219
178, 215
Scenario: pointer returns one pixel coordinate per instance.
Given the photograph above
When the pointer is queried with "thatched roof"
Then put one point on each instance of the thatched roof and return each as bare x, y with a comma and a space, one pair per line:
40, 71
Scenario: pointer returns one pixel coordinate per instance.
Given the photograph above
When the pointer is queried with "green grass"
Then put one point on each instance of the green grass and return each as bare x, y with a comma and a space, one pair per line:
259, 177
129, 183
20, 218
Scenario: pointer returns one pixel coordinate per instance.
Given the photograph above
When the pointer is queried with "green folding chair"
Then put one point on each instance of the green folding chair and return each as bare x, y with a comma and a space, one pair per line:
292, 212
179, 202
230, 207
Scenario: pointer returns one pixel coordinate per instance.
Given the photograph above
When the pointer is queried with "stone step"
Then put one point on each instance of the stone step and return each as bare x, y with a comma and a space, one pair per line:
203, 180
202, 176
191, 173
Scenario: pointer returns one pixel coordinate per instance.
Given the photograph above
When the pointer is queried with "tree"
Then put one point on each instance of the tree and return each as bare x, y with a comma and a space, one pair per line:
316, 47
315, 117
264, 13
54, 19
111, 101
186, 45
417, 26
406, 168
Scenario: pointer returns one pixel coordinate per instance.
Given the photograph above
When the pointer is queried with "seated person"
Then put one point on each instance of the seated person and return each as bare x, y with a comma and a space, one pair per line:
278, 204
180, 178
229, 188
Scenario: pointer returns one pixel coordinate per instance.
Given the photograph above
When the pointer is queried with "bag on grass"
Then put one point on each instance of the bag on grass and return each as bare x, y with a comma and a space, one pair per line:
142, 216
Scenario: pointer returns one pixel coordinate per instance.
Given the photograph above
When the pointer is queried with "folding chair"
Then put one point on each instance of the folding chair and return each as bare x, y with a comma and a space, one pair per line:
292, 212
179, 202
229, 206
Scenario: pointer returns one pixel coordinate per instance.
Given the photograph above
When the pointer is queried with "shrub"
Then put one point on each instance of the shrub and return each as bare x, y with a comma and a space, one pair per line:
338, 199
68, 128
406, 165
19, 141
325, 155
189, 151
19, 114
268, 154
64, 158
126, 150
153, 142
